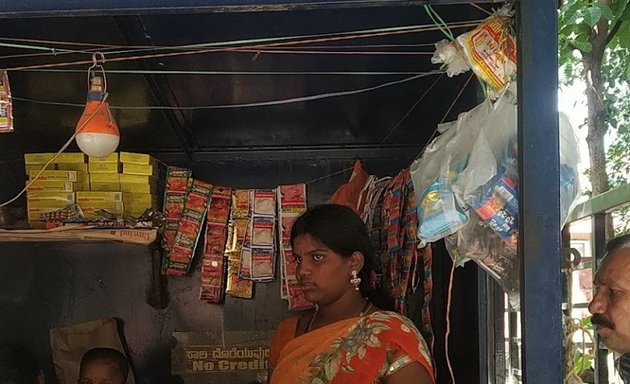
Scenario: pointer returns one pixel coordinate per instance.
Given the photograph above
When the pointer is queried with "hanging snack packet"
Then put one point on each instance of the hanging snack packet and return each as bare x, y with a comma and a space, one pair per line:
177, 183
262, 260
292, 198
6, 103
237, 287
291, 203
264, 202
216, 237
491, 50
181, 255
263, 231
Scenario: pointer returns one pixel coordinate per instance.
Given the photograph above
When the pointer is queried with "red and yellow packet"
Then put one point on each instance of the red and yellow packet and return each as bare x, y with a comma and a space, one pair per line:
181, 255
216, 236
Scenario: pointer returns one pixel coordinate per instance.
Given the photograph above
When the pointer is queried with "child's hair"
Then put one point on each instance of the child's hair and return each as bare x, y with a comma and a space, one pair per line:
17, 365
110, 355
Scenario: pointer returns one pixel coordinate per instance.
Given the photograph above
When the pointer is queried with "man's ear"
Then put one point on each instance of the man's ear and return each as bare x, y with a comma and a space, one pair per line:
356, 261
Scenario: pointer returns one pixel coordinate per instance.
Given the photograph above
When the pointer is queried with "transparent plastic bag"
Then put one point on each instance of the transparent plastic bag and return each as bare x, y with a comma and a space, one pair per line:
569, 159
499, 257
494, 149
442, 212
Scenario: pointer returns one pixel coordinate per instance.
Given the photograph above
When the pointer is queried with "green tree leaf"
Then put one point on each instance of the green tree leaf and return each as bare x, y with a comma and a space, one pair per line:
605, 11
591, 15
583, 46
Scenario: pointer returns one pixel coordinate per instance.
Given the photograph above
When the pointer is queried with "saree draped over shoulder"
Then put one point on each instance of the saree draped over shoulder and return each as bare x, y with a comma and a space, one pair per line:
354, 351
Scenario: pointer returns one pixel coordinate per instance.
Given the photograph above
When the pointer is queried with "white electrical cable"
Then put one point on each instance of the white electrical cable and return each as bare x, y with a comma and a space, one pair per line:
63, 148
300, 99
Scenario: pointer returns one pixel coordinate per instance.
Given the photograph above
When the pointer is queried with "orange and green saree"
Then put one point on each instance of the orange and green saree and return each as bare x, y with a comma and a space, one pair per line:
354, 351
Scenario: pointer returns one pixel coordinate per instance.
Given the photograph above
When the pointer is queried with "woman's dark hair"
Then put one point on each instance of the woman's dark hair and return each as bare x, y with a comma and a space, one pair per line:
340, 229
17, 365
109, 355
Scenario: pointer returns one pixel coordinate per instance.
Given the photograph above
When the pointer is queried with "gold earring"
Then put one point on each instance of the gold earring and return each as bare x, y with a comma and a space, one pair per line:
355, 280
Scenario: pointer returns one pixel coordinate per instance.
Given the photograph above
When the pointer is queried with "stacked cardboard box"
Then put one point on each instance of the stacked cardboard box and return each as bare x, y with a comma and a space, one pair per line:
75, 162
132, 176
55, 187
139, 183
104, 173
93, 201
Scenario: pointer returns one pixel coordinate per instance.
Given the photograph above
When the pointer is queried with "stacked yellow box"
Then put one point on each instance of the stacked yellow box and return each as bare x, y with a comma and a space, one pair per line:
75, 161
121, 183
104, 173
52, 190
92, 201
36, 161
138, 182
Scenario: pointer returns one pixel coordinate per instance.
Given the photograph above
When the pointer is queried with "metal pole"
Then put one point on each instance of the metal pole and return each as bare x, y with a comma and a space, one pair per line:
599, 243
484, 305
539, 192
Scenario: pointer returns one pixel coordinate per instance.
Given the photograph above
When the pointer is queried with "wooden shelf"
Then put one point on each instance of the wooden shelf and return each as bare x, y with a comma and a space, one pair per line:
140, 236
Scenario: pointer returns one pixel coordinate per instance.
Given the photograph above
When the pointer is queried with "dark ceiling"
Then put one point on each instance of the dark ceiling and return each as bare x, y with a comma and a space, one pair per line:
356, 122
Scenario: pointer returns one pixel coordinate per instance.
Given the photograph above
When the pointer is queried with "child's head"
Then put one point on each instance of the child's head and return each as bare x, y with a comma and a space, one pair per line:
103, 366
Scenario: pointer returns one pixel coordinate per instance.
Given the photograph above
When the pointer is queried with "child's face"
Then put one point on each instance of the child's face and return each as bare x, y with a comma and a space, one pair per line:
101, 372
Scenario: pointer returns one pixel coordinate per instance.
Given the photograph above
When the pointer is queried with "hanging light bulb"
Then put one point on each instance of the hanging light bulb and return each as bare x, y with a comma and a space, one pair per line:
97, 132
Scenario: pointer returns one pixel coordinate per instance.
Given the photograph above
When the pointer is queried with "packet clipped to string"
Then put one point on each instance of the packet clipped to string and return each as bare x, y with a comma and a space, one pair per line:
177, 183
291, 203
259, 248
239, 239
216, 237
263, 231
264, 202
189, 230
491, 51
6, 103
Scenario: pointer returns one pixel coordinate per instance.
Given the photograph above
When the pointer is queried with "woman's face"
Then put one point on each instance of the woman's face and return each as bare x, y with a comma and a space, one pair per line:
323, 274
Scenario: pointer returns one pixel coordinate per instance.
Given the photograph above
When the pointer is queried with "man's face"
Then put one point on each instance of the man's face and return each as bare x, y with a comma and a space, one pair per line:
101, 372
611, 302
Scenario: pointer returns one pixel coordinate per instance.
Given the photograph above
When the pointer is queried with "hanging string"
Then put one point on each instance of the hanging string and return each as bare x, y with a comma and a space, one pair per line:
325, 37
242, 73
427, 143
435, 131
386, 136
448, 322
329, 175
286, 51
269, 50
409, 111
247, 105
459, 95
481, 9
221, 46
439, 22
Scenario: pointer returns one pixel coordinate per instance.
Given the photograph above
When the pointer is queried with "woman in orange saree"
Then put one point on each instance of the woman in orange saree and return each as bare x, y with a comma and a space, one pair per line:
345, 339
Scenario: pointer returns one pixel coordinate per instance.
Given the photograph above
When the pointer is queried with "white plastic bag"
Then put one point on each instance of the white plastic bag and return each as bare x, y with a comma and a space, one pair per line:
569, 159
477, 242
450, 53
440, 211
